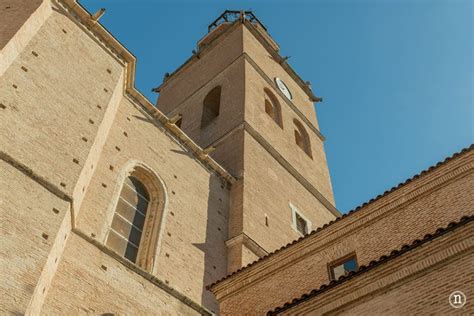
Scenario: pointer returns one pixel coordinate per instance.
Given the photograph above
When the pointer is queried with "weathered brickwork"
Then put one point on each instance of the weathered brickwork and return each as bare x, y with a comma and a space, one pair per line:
420, 207
417, 282
257, 202
13, 16
272, 68
195, 219
217, 57
74, 128
29, 226
314, 169
101, 285
67, 121
248, 143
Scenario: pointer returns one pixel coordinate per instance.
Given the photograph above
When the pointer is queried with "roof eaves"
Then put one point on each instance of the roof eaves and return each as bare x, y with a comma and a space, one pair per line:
375, 263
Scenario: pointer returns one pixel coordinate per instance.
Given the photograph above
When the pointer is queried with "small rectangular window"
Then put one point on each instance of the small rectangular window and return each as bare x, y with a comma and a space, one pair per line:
299, 222
343, 266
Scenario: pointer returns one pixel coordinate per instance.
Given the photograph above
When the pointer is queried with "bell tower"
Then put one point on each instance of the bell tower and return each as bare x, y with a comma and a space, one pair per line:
240, 99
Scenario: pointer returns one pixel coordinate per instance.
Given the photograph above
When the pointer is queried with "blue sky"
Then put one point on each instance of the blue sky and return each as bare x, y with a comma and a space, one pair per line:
396, 75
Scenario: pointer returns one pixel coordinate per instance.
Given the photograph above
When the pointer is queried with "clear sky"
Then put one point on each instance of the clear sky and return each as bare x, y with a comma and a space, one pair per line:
396, 75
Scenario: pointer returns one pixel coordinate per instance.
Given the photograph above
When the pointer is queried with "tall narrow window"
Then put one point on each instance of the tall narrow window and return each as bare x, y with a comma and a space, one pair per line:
129, 219
272, 107
211, 106
302, 138
133, 232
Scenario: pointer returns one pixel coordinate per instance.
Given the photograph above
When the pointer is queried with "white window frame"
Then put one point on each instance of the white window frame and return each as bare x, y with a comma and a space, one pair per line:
295, 210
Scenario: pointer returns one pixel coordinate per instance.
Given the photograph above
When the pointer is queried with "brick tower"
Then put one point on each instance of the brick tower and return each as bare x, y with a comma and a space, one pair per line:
237, 97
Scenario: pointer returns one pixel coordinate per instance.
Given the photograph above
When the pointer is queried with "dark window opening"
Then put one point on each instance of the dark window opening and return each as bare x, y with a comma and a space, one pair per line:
211, 106
343, 266
272, 107
301, 224
178, 122
302, 138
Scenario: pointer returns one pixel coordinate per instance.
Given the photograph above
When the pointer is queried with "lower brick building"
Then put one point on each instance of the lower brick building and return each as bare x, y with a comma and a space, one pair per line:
403, 253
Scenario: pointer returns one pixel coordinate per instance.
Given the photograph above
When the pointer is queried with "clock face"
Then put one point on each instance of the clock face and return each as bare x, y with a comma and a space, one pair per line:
283, 88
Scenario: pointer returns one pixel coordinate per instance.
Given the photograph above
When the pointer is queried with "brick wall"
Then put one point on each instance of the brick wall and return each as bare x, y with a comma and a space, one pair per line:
420, 207
417, 282
67, 121
30, 219
264, 187
192, 250
91, 281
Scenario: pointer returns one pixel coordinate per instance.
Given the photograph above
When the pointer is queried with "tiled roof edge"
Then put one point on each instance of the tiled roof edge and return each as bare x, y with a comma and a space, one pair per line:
422, 173
383, 259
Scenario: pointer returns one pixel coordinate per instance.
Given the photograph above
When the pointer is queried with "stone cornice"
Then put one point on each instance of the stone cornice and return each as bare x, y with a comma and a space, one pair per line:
292, 106
281, 160
275, 54
52, 188
461, 165
271, 84
244, 239
268, 46
109, 43
194, 59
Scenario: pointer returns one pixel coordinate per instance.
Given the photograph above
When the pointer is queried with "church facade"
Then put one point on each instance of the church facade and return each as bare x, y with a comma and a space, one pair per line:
113, 205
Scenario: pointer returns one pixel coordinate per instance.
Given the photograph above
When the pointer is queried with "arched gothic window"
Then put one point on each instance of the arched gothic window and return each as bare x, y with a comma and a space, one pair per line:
133, 233
302, 138
211, 106
272, 107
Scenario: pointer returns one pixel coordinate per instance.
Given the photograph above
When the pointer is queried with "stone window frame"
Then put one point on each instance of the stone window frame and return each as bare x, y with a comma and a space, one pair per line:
153, 227
294, 211
331, 265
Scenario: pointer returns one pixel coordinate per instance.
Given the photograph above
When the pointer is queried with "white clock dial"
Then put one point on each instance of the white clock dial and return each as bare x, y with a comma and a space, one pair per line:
283, 88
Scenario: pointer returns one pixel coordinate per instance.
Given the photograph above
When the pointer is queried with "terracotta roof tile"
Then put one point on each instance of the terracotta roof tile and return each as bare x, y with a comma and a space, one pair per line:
383, 259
